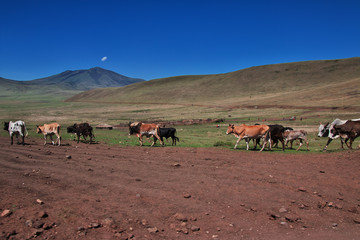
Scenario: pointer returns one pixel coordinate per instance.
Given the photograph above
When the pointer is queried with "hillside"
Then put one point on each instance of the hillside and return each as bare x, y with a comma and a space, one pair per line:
68, 83
333, 83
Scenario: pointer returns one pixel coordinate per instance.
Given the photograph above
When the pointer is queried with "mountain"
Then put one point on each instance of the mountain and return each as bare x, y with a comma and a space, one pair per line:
87, 79
70, 81
323, 82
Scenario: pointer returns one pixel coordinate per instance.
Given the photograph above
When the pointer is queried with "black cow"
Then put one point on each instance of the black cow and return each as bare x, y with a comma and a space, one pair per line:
82, 129
166, 133
275, 134
276, 141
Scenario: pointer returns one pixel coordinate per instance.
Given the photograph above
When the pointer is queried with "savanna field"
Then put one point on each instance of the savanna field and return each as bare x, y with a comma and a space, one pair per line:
201, 188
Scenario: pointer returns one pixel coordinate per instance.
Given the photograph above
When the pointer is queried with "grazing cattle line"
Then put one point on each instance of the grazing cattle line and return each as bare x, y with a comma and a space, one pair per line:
346, 130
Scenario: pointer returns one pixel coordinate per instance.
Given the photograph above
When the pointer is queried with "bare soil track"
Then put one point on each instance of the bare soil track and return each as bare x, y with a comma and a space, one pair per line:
82, 191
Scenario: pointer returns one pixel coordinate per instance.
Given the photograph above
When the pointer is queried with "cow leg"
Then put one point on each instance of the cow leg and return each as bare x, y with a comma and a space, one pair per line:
270, 144
342, 142
350, 144
45, 137
301, 143
23, 139
237, 142
286, 142
264, 144
256, 142
283, 144
247, 144
328, 142
52, 139
276, 143
291, 143
161, 142
58, 139
141, 140
78, 137
307, 143
160, 139
12, 139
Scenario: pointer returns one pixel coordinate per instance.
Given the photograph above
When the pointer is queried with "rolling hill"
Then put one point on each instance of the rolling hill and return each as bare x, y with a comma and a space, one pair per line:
68, 82
332, 83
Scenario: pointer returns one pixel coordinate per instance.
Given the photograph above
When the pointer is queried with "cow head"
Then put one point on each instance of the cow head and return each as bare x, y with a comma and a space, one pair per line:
72, 129
134, 128
39, 129
6, 126
324, 130
230, 128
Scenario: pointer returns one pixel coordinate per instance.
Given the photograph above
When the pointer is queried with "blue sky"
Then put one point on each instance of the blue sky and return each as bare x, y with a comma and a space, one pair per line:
156, 39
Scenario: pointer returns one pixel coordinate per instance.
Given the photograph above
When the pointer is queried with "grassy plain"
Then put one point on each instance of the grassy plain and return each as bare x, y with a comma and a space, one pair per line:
47, 109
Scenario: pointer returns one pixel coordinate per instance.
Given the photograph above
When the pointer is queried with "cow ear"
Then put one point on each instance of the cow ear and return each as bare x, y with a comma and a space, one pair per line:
229, 124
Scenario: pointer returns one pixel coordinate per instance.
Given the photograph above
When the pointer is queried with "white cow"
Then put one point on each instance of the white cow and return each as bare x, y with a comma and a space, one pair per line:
17, 128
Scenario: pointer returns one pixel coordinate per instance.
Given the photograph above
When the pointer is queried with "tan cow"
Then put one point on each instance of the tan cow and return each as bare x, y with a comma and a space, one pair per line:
248, 132
142, 129
50, 129
291, 135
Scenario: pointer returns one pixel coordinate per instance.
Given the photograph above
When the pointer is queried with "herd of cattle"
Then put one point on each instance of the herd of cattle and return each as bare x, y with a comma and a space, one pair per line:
271, 134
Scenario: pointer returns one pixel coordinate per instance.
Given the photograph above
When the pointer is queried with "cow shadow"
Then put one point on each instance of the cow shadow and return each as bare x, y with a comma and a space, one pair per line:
86, 142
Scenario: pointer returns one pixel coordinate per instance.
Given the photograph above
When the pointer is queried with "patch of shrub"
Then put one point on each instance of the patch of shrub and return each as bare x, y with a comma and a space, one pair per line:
222, 144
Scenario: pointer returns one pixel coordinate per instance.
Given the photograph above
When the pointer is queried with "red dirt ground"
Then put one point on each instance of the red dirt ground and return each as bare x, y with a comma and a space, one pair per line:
114, 192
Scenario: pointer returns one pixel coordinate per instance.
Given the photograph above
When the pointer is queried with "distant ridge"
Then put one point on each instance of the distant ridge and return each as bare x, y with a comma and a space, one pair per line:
78, 80
332, 83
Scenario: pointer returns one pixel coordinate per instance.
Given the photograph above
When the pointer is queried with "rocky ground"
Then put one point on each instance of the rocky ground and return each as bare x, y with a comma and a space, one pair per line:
82, 191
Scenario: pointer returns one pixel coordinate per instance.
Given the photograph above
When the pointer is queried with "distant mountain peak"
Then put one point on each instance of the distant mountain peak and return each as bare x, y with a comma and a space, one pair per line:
98, 68
86, 79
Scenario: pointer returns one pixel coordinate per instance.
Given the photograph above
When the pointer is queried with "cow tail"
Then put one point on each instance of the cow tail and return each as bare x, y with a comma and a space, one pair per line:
177, 139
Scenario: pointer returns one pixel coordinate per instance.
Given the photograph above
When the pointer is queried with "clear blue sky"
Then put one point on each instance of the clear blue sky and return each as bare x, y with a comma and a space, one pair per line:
156, 39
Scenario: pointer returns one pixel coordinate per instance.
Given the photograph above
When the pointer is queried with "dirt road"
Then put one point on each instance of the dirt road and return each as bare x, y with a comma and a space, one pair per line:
81, 191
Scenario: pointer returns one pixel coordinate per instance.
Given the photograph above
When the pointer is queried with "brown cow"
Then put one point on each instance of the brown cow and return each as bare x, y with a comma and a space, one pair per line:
349, 130
50, 129
142, 129
248, 132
